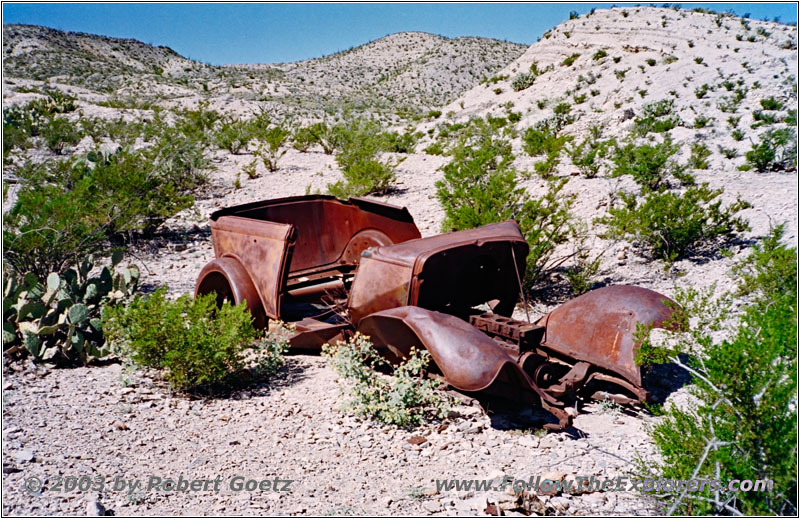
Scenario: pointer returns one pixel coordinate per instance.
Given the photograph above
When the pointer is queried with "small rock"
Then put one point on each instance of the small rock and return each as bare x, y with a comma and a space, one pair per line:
622, 255
560, 503
432, 506
417, 440
23, 456
121, 426
94, 508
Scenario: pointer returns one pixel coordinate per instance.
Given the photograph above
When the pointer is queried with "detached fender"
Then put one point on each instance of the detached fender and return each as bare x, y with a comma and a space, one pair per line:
598, 327
229, 279
468, 359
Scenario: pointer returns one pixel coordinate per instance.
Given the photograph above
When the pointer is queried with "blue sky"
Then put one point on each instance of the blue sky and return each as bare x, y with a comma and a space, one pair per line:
224, 33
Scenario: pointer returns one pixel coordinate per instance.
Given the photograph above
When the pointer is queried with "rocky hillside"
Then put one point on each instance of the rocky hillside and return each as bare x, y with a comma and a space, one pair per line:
614, 62
398, 75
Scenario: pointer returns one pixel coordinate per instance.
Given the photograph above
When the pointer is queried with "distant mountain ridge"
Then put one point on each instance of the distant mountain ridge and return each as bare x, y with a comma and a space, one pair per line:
410, 71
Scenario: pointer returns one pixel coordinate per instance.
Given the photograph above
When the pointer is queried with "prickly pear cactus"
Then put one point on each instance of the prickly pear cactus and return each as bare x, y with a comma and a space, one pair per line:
59, 318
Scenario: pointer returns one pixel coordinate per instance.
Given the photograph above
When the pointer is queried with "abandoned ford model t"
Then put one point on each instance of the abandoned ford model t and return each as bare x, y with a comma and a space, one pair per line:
332, 267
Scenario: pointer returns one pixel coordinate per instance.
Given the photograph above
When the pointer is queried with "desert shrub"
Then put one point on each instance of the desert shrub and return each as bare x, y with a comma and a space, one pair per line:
543, 139
569, 60
198, 124
58, 318
360, 143
742, 422
435, 148
326, 136
701, 121
728, 153
271, 149
600, 54
195, 342
66, 210
702, 91
770, 103
657, 117
650, 165
480, 187
589, 154
737, 134
233, 135
400, 142
673, 224
404, 398
699, 156
776, 150
303, 139
59, 133
434, 114
651, 62
522, 81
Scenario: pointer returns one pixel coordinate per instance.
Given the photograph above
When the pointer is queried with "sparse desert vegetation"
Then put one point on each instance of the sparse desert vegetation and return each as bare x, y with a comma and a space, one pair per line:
627, 152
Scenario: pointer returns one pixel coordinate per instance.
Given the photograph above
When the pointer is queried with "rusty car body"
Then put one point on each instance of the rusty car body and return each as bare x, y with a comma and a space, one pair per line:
335, 267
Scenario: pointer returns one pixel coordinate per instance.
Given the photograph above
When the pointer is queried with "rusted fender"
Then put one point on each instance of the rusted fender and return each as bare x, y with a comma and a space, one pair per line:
468, 359
229, 279
598, 327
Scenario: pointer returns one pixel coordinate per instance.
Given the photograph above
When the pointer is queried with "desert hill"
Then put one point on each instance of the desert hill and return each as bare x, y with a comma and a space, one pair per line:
402, 73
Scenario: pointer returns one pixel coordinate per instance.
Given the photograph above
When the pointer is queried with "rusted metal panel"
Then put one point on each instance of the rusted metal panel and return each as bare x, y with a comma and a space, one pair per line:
450, 273
262, 248
286, 244
598, 327
229, 279
468, 359
330, 231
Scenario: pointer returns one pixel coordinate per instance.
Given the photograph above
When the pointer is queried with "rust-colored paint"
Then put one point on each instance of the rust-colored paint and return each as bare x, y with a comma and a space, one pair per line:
332, 267
285, 243
449, 273
598, 327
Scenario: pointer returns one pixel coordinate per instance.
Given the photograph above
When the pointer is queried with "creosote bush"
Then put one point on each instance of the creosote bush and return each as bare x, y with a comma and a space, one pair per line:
68, 209
404, 398
360, 143
742, 420
672, 224
196, 343
481, 187
649, 165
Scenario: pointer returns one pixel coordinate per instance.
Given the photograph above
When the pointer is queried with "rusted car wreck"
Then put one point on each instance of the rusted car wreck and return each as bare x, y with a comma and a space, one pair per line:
333, 267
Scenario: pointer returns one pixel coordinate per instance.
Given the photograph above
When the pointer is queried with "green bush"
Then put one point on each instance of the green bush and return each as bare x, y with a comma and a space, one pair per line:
270, 149
674, 224
66, 210
233, 135
400, 142
59, 133
360, 143
770, 103
196, 343
59, 319
742, 422
657, 117
776, 150
522, 81
568, 61
589, 154
404, 398
303, 139
600, 54
649, 165
699, 156
480, 187
326, 136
